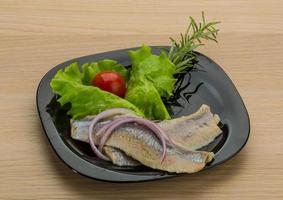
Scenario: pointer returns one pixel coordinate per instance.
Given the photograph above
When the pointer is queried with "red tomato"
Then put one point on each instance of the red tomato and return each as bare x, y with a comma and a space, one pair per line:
111, 82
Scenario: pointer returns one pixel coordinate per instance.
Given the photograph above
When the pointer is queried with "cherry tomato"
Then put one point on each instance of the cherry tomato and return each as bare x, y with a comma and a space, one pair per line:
111, 82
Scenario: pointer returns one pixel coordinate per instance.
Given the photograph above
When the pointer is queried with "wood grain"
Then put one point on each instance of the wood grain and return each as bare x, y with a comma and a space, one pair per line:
36, 35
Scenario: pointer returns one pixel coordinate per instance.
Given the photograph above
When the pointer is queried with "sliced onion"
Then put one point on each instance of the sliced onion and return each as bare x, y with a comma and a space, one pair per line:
96, 119
108, 129
148, 124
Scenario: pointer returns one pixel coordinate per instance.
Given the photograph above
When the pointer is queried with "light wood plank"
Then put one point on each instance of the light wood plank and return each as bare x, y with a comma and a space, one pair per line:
36, 35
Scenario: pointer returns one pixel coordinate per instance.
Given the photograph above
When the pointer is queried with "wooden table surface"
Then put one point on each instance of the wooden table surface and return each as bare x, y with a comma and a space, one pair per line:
37, 35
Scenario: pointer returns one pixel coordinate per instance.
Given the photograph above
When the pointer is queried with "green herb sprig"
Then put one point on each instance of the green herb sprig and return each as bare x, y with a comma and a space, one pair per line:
182, 53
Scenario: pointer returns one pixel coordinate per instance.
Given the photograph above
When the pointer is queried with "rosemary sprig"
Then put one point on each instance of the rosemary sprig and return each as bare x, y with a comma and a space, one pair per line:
182, 53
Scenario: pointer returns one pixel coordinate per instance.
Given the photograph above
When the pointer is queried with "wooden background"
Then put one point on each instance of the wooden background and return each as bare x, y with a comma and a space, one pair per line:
36, 35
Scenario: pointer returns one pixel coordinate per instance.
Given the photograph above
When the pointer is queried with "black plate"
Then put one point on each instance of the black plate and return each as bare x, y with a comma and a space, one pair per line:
206, 84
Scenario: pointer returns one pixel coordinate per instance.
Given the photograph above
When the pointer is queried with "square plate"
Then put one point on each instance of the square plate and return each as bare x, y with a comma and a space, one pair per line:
206, 84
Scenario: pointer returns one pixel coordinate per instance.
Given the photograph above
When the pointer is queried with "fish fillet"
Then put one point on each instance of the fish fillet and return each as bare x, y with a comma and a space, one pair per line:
119, 158
140, 144
191, 132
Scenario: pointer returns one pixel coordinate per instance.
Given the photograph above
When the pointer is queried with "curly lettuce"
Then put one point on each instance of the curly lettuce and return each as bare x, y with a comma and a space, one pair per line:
158, 70
73, 87
145, 96
151, 78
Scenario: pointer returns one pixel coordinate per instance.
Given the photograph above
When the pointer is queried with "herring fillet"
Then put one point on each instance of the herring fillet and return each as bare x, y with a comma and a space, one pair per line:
79, 131
194, 131
140, 144
119, 158
191, 132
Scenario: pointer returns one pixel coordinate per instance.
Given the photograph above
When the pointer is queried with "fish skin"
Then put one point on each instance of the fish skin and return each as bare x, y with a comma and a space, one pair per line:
140, 144
193, 132
79, 131
119, 158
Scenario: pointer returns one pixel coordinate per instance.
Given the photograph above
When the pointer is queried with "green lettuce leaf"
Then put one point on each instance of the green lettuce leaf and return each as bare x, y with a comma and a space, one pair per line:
151, 78
145, 96
91, 69
85, 100
157, 69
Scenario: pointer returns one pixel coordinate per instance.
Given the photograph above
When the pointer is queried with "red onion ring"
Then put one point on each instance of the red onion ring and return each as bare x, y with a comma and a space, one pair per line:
109, 128
100, 116
148, 124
